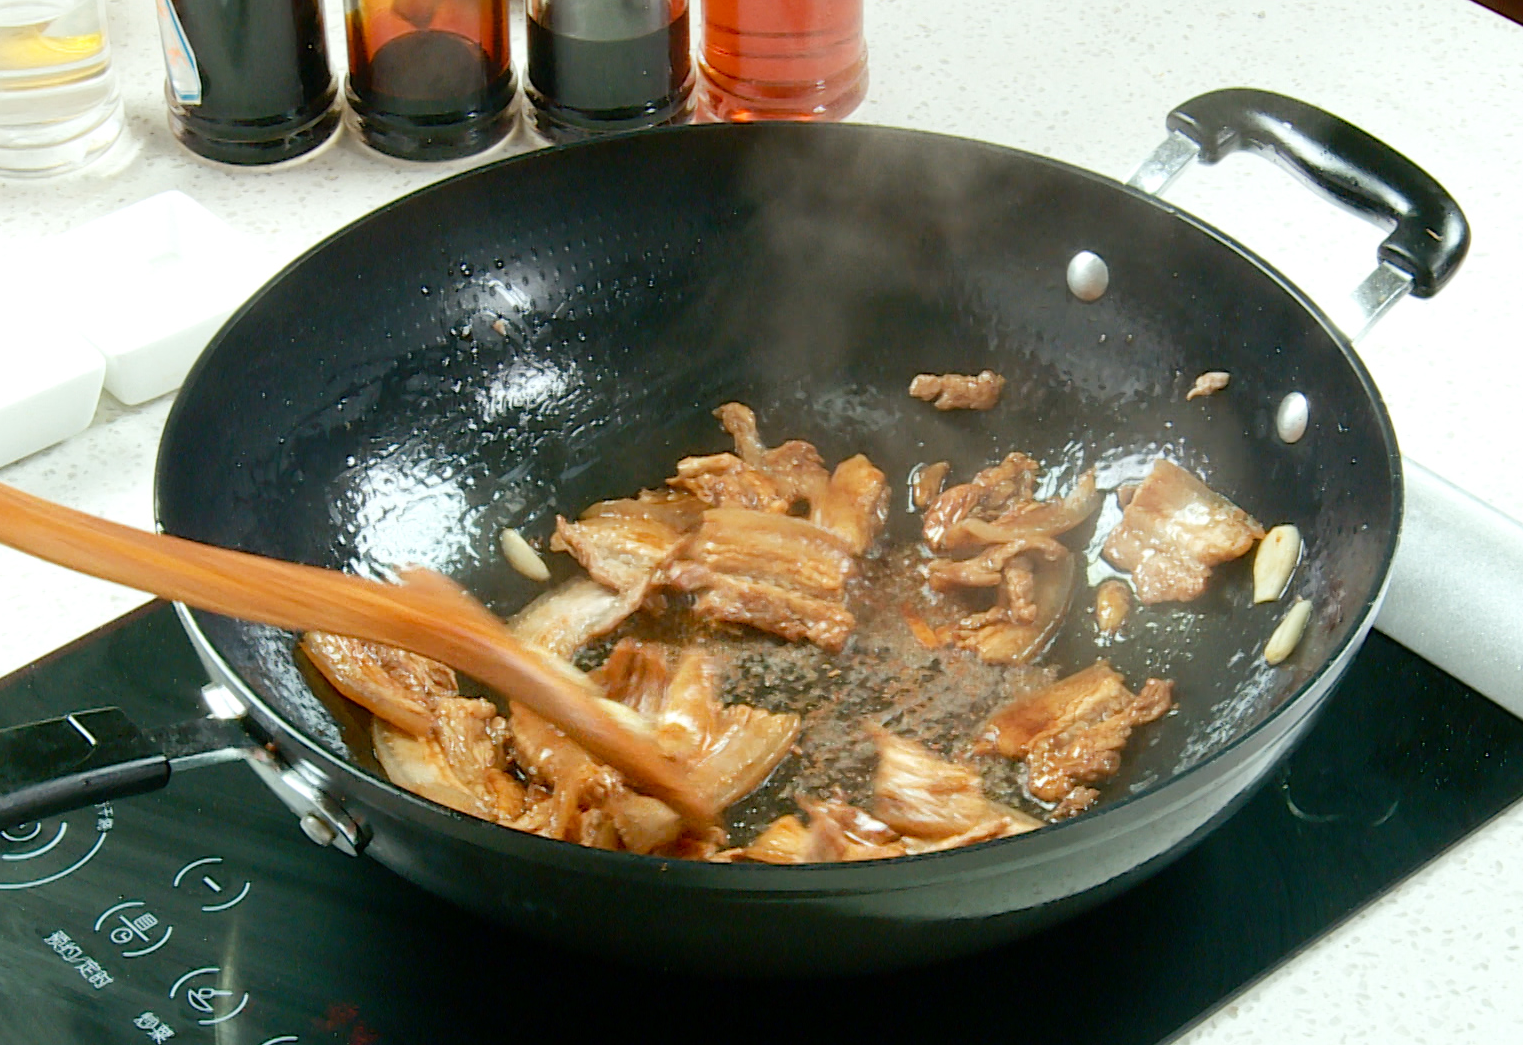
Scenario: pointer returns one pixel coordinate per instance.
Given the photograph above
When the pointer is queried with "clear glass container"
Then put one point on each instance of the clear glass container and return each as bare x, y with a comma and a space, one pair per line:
59, 103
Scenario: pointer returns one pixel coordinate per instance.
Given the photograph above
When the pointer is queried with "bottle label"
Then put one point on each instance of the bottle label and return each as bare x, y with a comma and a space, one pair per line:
179, 59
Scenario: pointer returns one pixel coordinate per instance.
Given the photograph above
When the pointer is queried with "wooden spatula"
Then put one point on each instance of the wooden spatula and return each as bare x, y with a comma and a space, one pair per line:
427, 614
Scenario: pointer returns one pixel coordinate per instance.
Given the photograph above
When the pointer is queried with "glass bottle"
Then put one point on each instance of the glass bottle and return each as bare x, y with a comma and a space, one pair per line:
605, 65
782, 59
248, 80
430, 79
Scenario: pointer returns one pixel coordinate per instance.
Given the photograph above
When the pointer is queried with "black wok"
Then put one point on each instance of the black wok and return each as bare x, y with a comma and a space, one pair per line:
530, 337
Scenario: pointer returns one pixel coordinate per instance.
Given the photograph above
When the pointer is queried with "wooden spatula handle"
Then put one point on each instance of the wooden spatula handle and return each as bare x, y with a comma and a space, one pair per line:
427, 614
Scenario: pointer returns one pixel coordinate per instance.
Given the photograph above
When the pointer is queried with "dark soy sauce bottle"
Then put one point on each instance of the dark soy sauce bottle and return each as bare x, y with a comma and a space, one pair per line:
249, 81
606, 65
430, 79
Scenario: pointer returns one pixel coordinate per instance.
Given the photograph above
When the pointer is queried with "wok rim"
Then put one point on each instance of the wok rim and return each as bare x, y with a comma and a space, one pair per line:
793, 880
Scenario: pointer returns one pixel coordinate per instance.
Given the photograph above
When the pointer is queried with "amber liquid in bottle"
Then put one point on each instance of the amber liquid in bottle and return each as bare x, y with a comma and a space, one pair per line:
430, 79
782, 59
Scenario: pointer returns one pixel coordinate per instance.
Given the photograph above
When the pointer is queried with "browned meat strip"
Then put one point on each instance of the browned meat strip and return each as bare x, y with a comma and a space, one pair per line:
400, 687
746, 747
927, 482
991, 491
986, 569
576, 781
853, 505
620, 551
1029, 518
782, 550
795, 467
1173, 531
1071, 733
643, 824
740, 421
959, 391
725, 481
1026, 617
766, 607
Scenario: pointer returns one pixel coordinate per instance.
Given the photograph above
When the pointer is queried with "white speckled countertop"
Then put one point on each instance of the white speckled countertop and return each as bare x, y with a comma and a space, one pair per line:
1441, 957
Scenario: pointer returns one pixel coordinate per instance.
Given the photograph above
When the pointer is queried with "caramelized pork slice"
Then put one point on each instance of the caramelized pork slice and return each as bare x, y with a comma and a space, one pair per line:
461, 762
747, 746
783, 550
991, 491
987, 568
1026, 615
795, 466
853, 505
676, 508
842, 833
399, 687
959, 391
729, 749
766, 607
635, 674
1071, 733
576, 782
566, 618
621, 552
929, 799
1173, 531
726, 481
1027, 518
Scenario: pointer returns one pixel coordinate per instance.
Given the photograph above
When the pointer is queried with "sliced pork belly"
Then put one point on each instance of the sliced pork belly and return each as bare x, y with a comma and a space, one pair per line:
568, 617
726, 481
399, 687
1071, 733
621, 552
778, 549
1173, 531
929, 799
853, 505
766, 607
460, 764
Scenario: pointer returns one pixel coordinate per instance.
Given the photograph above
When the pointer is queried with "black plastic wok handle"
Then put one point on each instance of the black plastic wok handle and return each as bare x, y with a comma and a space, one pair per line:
87, 757
1429, 235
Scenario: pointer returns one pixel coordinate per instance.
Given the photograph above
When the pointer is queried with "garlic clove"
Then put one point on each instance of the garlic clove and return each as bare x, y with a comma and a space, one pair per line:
1275, 561
1283, 642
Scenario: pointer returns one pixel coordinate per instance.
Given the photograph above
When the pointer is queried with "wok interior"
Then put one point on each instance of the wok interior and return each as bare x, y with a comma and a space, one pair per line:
531, 337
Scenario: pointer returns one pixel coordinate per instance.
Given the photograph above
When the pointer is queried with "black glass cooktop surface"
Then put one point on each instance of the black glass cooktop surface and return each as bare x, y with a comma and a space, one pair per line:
201, 914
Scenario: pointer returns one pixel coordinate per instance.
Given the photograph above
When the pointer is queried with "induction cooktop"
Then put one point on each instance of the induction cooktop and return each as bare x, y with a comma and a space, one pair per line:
200, 913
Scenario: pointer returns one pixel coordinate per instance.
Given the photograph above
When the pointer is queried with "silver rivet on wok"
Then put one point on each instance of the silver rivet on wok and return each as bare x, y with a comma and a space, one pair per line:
1088, 276
317, 830
1291, 419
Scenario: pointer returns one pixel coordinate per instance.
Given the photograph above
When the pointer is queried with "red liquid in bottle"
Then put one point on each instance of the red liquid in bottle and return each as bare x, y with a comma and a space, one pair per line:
782, 59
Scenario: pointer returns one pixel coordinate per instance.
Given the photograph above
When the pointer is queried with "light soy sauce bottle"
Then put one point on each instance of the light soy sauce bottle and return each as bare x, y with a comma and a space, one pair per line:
608, 65
429, 79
